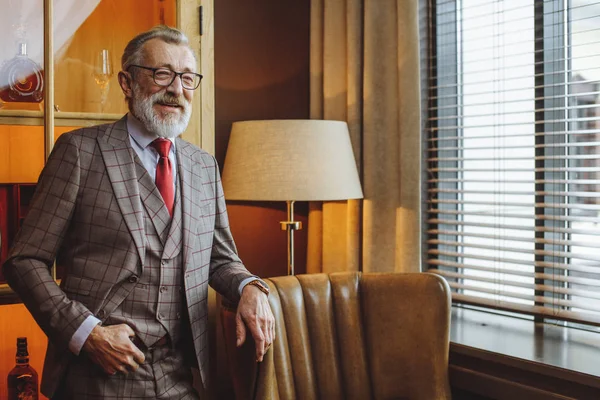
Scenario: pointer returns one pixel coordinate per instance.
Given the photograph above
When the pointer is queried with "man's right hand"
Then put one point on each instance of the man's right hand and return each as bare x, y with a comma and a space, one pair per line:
112, 349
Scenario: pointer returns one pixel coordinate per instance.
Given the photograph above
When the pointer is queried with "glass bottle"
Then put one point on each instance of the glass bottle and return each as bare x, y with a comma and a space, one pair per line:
22, 379
22, 79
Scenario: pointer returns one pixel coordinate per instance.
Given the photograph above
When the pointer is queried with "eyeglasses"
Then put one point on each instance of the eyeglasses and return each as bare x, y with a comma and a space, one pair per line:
165, 77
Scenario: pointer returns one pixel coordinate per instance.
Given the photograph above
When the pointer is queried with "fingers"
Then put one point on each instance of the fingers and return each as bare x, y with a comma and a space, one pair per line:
138, 356
240, 330
261, 349
267, 326
261, 335
254, 314
134, 354
258, 333
271, 330
128, 330
131, 365
259, 330
123, 365
111, 348
273, 334
268, 330
122, 369
270, 327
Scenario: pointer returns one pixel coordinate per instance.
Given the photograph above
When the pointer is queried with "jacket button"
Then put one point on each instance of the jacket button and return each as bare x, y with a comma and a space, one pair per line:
133, 279
101, 314
163, 289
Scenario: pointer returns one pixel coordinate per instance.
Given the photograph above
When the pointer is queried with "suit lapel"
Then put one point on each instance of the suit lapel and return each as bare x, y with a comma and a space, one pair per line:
118, 158
192, 195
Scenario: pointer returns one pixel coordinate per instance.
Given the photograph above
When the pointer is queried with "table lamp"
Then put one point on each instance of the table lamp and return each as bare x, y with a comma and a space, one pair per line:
290, 160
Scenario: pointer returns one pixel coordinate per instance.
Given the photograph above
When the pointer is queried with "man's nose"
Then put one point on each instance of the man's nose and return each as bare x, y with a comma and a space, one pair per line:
176, 87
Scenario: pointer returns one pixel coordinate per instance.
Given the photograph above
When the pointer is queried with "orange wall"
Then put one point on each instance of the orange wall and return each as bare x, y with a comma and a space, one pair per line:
22, 154
262, 72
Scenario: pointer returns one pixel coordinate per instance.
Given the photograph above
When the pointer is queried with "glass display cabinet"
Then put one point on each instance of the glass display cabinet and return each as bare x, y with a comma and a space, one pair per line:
59, 61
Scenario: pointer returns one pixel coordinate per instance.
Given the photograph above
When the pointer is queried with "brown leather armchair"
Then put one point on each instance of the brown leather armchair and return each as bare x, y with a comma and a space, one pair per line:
349, 336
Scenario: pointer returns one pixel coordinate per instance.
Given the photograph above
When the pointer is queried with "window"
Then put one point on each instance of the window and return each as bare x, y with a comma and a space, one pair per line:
512, 145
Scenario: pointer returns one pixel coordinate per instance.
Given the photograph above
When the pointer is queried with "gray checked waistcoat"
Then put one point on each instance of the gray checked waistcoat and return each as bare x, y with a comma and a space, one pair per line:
155, 307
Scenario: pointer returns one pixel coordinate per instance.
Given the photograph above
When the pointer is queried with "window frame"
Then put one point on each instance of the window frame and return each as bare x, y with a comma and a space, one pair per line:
551, 59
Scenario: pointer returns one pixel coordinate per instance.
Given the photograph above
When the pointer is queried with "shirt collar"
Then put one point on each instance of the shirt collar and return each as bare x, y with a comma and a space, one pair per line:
140, 134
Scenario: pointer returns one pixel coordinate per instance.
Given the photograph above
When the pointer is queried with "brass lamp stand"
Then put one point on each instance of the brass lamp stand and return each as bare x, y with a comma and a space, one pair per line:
290, 226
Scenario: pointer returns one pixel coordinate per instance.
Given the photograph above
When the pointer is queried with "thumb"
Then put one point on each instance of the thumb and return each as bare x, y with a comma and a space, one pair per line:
240, 330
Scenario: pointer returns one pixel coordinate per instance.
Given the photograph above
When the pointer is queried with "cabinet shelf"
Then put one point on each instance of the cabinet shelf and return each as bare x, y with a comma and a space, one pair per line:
36, 118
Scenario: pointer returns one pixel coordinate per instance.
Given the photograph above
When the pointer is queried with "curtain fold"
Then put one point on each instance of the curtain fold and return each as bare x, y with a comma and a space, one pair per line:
365, 70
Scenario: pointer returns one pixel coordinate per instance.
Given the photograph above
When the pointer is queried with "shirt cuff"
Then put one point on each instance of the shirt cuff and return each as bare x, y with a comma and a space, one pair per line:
245, 282
82, 333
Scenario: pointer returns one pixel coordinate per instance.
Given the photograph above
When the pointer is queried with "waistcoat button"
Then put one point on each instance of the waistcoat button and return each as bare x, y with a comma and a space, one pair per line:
163, 289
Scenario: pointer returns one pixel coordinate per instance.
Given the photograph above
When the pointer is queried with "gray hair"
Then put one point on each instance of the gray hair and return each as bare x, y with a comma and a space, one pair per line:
133, 51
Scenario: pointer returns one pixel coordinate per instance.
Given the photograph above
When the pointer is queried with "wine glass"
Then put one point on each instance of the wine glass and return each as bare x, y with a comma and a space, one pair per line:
103, 71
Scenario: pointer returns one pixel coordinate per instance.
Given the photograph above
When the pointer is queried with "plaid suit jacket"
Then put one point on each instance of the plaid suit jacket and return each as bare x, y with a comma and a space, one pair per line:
87, 215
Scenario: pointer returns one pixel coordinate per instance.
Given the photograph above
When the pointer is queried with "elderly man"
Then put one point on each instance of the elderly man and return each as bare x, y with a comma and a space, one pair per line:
136, 218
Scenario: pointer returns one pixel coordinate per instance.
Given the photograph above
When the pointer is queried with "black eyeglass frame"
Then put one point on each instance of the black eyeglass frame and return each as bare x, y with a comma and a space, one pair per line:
175, 75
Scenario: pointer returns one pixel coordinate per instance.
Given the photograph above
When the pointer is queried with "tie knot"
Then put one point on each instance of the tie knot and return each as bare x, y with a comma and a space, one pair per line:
162, 146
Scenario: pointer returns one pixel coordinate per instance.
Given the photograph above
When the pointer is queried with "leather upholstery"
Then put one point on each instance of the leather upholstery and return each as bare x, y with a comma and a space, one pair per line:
349, 336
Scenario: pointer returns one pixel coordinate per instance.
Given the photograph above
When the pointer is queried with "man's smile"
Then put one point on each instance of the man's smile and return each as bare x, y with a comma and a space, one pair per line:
169, 106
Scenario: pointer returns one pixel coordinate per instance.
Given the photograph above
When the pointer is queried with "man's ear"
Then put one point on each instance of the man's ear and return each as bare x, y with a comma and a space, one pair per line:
125, 83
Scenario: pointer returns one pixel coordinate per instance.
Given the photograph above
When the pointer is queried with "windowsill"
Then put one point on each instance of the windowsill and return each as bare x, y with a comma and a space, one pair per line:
517, 350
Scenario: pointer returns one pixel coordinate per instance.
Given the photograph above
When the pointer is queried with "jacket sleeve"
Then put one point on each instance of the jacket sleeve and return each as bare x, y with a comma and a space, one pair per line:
226, 269
27, 268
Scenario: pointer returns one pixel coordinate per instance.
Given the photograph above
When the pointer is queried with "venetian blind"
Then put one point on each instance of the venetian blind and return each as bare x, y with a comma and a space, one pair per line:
512, 142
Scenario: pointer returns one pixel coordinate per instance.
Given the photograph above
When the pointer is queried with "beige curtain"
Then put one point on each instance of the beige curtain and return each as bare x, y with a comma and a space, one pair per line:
365, 70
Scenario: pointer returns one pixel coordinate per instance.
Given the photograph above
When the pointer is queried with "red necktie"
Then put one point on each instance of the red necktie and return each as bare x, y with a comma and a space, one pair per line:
164, 172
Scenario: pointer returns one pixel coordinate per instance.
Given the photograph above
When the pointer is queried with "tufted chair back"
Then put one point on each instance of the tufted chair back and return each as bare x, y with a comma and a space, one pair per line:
349, 336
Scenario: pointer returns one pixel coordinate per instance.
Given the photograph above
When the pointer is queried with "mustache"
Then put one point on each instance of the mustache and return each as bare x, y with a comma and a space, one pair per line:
169, 99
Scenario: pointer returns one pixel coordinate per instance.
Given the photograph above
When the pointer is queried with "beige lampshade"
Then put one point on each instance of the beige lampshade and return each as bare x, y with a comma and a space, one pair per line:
279, 160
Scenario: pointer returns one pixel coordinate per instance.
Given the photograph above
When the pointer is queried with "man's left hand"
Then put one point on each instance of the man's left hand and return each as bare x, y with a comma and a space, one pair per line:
254, 313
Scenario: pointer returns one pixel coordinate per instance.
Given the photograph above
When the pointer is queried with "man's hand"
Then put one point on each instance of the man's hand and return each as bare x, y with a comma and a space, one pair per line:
254, 313
112, 349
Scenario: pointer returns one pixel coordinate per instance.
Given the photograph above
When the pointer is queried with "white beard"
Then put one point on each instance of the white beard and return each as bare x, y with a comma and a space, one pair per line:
168, 127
